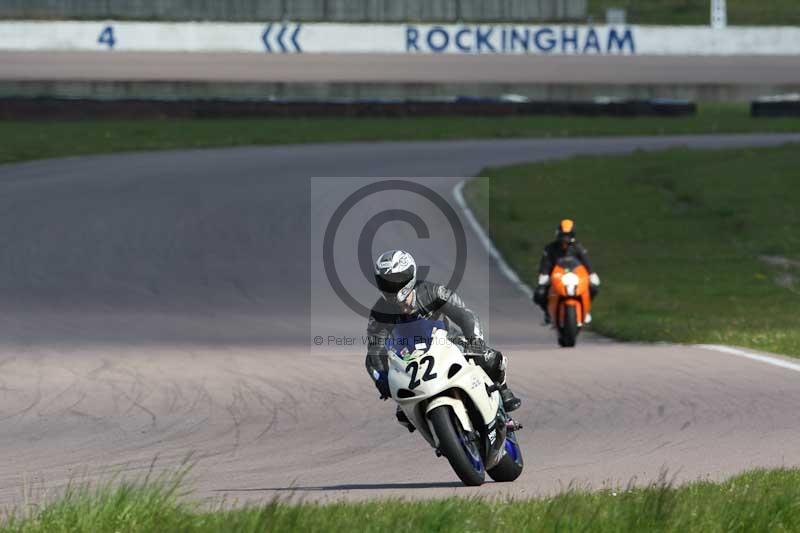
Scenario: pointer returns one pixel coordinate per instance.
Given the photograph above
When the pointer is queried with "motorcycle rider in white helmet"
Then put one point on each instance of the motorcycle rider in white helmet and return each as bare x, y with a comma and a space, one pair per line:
405, 297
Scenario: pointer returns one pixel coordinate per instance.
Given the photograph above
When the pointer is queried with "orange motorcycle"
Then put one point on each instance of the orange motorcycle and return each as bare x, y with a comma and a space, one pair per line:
569, 300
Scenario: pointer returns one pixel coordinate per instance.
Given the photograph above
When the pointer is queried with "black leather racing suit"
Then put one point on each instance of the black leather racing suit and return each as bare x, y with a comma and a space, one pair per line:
433, 302
552, 253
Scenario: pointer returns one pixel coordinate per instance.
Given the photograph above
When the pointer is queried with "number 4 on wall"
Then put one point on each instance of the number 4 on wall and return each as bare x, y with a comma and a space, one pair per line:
107, 37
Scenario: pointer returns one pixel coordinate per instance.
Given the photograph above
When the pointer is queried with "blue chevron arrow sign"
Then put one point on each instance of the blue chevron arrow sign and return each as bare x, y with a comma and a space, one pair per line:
282, 38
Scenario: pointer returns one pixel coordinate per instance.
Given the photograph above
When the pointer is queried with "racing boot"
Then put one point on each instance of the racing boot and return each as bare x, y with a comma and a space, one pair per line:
510, 400
494, 364
547, 320
403, 420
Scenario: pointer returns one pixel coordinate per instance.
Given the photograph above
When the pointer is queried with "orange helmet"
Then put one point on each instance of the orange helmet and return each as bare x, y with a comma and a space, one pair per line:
566, 231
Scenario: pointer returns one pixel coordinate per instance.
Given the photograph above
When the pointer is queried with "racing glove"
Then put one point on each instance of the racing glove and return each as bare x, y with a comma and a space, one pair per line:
594, 279
382, 383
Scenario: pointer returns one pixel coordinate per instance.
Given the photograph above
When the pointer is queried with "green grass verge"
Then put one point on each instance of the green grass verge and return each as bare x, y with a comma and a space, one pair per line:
21, 141
679, 238
756, 501
740, 12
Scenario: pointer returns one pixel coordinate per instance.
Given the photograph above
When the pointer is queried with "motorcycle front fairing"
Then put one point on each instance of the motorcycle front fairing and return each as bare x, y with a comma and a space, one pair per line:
569, 287
425, 379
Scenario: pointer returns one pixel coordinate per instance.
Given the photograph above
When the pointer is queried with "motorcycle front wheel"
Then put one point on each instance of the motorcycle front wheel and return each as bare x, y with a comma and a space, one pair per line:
461, 451
569, 329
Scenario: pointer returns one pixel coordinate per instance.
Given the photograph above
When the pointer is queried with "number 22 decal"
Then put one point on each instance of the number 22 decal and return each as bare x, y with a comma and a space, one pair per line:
413, 367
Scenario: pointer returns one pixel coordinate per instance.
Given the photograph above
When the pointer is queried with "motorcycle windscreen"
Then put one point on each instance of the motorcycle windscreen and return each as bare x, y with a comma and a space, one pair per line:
413, 335
569, 262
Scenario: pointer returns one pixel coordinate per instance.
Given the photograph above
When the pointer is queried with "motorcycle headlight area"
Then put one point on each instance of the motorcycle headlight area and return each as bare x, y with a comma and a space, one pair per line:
570, 281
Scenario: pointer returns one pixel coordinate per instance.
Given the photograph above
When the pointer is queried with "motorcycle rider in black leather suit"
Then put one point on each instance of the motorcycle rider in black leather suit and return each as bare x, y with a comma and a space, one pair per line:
404, 297
565, 245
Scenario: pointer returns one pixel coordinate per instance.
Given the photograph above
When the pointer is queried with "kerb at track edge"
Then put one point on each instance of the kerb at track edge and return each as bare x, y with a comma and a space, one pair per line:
508, 272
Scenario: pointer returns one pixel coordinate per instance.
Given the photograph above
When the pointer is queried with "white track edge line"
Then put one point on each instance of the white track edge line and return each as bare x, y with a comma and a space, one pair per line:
762, 358
508, 272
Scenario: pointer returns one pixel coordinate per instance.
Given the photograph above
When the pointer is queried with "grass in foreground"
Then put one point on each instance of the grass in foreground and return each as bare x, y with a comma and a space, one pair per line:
756, 501
740, 12
692, 246
27, 140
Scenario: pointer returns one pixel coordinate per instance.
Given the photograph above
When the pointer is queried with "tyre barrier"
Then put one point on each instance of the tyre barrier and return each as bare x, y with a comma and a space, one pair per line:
776, 106
12, 108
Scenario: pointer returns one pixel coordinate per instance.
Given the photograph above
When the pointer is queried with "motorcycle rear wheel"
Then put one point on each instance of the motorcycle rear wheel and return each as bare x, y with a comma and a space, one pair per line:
510, 466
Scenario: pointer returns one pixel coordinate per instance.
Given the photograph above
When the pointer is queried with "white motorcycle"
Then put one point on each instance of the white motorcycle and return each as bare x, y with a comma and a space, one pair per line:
453, 403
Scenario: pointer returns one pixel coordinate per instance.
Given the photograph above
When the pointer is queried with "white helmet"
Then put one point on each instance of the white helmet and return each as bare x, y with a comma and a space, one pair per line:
395, 275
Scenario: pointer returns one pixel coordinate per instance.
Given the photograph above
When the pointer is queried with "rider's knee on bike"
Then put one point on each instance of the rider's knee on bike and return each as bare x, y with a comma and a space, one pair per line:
594, 285
540, 299
492, 362
540, 295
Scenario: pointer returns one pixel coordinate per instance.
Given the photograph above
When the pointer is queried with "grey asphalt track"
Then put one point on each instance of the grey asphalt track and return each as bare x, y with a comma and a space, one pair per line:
156, 304
396, 68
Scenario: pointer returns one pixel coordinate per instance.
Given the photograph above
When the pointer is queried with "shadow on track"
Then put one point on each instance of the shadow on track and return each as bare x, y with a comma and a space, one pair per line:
353, 486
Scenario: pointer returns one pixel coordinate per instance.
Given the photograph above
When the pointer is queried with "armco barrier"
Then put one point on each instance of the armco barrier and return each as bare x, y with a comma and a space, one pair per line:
53, 108
288, 37
300, 10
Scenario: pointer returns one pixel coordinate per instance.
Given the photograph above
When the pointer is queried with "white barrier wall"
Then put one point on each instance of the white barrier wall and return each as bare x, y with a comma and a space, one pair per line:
288, 37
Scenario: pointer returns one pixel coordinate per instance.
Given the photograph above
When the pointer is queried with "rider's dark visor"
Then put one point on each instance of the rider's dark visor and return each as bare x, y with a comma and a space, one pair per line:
393, 282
